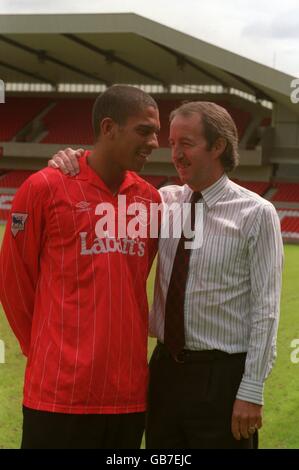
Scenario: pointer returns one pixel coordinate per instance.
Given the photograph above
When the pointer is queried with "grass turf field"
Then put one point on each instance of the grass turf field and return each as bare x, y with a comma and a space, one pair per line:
281, 413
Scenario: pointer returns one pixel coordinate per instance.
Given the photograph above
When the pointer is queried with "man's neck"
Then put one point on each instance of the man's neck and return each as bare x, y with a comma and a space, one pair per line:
202, 185
110, 173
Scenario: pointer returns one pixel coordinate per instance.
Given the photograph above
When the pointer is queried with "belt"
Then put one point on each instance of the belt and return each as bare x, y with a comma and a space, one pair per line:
187, 355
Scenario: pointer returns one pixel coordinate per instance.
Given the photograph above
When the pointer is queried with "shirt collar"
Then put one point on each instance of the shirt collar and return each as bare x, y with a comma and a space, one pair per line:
213, 193
88, 174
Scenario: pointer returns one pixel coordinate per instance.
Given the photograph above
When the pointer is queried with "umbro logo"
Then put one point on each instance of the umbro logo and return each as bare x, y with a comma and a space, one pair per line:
83, 205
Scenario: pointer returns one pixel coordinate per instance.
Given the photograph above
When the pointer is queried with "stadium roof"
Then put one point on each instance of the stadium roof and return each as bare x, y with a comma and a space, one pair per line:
126, 48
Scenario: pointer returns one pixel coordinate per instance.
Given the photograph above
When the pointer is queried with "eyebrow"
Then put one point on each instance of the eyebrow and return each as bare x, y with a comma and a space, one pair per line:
149, 128
183, 139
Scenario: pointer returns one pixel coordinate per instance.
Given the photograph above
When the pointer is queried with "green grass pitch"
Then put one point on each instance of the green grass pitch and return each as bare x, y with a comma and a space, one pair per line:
280, 431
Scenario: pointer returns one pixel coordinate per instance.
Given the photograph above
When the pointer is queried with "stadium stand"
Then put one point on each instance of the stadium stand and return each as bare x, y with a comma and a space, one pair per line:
290, 224
17, 113
259, 187
9, 184
241, 117
69, 121
289, 219
5, 205
14, 179
286, 192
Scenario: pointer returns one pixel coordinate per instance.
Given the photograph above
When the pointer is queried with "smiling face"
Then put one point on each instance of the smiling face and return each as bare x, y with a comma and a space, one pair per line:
132, 143
197, 166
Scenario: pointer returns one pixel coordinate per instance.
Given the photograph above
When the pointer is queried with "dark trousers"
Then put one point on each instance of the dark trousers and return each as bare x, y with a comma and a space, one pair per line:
190, 403
45, 430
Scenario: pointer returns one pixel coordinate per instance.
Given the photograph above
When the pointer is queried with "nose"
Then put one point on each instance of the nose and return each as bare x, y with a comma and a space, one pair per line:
176, 152
154, 143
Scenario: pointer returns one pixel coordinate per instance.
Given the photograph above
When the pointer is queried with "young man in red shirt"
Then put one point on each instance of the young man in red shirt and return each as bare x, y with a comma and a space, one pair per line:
75, 296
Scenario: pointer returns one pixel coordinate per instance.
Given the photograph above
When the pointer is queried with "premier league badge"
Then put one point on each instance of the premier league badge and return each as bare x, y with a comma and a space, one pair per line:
18, 222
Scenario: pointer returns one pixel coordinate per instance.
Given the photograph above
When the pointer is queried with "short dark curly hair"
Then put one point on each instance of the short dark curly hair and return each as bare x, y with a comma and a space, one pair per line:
119, 102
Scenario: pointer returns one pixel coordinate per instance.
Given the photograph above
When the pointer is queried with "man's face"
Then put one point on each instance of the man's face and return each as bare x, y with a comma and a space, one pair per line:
134, 141
193, 161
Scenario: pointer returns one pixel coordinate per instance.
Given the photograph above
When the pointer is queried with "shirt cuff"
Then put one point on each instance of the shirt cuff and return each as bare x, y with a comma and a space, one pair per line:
251, 391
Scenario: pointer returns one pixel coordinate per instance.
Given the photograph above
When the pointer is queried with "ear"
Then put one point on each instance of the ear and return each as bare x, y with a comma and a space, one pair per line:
219, 146
108, 127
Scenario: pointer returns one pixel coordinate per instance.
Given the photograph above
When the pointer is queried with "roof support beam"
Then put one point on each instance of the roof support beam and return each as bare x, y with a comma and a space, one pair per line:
111, 57
181, 59
259, 94
28, 74
44, 56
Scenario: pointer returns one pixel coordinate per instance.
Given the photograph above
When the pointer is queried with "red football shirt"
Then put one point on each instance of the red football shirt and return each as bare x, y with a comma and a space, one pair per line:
77, 303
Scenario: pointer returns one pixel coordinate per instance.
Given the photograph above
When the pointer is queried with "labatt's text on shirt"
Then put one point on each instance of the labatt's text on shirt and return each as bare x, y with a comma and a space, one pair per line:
111, 245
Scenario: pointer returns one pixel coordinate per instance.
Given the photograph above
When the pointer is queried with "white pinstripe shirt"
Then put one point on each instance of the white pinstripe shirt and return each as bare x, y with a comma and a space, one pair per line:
234, 281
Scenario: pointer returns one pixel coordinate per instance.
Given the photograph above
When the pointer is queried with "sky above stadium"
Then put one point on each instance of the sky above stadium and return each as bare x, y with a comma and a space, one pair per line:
266, 31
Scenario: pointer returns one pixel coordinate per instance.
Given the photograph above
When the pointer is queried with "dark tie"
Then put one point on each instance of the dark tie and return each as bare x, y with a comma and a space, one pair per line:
174, 334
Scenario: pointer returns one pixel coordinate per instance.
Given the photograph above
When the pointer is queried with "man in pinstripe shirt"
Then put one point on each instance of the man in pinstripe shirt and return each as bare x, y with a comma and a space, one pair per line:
210, 394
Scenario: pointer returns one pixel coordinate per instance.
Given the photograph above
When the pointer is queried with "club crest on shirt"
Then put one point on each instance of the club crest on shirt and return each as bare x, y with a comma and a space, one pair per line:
18, 222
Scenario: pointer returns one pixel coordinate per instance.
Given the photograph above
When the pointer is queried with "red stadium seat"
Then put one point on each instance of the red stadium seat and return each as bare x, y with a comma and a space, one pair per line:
14, 179
11, 180
15, 113
69, 122
5, 205
290, 224
286, 192
259, 187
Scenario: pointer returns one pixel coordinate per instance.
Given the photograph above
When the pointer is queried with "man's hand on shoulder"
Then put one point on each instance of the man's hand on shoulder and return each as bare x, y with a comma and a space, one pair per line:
67, 161
246, 418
